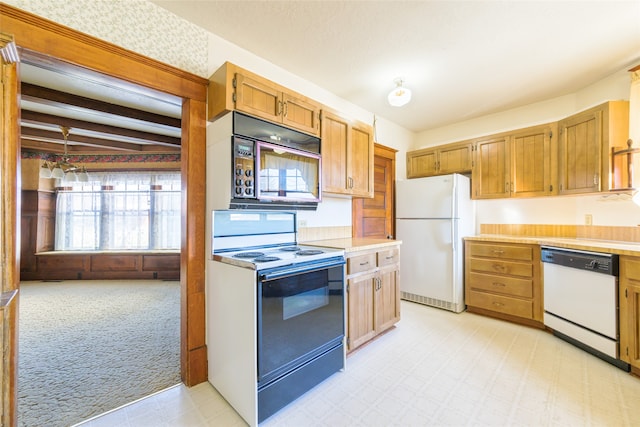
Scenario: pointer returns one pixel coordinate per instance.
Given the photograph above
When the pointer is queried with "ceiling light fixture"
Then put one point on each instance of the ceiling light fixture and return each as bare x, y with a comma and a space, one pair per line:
62, 169
400, 95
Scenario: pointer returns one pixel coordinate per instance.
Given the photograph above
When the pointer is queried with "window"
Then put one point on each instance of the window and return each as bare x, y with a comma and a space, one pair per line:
120, 211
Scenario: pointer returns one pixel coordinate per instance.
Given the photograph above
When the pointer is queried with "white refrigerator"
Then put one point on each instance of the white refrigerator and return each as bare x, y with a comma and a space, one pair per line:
433, 214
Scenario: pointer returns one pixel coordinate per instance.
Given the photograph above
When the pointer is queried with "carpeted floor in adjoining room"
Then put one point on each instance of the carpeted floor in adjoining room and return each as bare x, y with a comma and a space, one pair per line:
86, 347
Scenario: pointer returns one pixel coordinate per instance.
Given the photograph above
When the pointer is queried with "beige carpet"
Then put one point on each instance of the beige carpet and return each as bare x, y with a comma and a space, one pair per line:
86, 347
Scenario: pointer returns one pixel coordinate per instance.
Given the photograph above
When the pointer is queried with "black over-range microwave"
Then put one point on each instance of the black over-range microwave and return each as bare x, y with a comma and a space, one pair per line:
272, 167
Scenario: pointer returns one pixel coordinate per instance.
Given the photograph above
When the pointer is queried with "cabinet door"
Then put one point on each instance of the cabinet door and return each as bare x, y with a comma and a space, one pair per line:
360, 318
421, 163
301, 114
335, 132
387, 298
630, 310
491, 169
360, 161
534, 162
580, 153
454, 159
258, 98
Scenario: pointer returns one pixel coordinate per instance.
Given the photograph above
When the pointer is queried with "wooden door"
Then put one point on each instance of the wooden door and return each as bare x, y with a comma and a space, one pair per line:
301, 114
360, 161
580, 153
9, 228
422, 163
335, 133
491, 169
258, 98
360, 317
387, 298
455, 159
534, 162
373, 217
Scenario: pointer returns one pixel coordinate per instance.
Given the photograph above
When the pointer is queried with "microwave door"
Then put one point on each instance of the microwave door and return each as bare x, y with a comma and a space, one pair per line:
286, 174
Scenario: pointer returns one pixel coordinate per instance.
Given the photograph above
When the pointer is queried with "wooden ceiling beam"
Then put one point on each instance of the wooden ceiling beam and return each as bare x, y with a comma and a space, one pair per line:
42, 118
51, 97
54, 142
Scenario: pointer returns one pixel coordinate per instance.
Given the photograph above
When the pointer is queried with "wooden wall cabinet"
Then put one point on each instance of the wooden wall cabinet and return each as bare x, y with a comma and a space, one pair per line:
347, 156
520, 163
232, 87
441, 160
586, 141
373, 293
504, 280
630, 311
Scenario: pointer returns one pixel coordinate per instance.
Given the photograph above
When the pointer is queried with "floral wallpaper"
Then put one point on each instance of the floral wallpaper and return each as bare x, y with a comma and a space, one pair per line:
137, 25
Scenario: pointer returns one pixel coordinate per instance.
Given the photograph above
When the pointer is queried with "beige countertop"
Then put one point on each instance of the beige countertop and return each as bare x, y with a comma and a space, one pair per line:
354, 244
609, 246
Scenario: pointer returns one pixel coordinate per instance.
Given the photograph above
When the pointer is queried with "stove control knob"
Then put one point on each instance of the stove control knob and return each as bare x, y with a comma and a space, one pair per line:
248, 191
238, 181
238, 190
248, 183
248, 172
239, 171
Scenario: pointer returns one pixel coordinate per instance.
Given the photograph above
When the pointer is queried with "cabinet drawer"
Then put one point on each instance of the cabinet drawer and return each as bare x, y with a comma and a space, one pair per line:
503, 285
522, 253
360, 263
630, 268
501, 267
388, 257
500, 304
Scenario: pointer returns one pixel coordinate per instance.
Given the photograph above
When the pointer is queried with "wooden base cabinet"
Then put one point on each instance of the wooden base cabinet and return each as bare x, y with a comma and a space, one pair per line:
504, 280
373, 294
630, 312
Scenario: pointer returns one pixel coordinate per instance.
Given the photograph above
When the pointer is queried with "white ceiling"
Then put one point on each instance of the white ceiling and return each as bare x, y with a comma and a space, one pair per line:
461, 59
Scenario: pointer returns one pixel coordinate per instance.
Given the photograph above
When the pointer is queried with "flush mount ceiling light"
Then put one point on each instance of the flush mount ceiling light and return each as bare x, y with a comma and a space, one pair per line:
400, 95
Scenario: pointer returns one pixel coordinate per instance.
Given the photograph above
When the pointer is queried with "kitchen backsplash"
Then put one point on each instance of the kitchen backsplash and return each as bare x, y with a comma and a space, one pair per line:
596, 232
307, 234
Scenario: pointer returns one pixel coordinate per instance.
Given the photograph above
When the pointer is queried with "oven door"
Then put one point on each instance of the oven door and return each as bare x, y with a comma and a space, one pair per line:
300, 315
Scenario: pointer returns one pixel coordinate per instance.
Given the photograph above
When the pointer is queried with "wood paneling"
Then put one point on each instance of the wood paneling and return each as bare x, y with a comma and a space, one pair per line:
595, 232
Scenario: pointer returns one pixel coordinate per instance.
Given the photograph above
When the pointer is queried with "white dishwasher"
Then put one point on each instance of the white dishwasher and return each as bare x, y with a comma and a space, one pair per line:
581, 300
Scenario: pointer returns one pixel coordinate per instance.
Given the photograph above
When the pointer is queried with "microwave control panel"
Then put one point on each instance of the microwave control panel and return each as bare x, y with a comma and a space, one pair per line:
244, 168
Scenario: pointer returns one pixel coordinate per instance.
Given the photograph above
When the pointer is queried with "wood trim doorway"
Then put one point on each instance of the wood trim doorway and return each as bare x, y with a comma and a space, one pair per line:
375, 218
39, 35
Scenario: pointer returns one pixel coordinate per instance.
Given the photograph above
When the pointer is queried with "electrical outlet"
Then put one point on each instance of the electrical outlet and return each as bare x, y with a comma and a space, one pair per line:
588, 219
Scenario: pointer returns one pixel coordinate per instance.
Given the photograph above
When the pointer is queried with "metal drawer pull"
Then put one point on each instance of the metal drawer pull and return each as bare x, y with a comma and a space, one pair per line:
498, 304
497, 252
498, 284
364, 263
390, 257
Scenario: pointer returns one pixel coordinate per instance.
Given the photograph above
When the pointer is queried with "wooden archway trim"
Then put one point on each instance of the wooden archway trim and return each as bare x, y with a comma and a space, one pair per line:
41, 35
49, 38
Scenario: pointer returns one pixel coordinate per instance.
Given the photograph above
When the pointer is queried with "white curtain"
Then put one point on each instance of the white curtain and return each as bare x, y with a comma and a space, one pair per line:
120, 211
306, 168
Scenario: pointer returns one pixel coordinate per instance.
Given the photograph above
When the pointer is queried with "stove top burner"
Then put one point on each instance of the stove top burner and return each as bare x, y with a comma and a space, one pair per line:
308, 252
249, 255
266, 259
290, 249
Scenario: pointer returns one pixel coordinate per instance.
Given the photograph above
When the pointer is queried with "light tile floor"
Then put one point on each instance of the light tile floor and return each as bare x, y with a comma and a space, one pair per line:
435, 368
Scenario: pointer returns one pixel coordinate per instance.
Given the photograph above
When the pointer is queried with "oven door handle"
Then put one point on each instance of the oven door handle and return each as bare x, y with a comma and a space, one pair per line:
282, 272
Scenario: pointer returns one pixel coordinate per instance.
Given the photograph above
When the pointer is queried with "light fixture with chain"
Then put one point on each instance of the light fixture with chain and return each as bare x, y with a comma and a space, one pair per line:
63, 169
